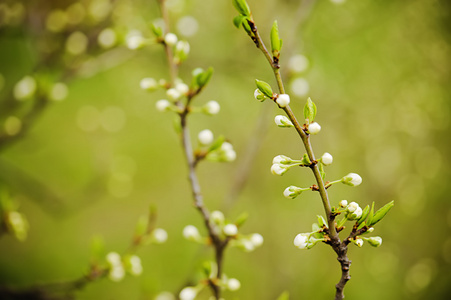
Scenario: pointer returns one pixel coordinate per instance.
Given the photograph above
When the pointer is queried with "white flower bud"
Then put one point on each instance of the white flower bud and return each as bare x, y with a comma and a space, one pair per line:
357, 213
230, 230
327, 159
59, 91
343, 203
233, 284
113, 258
281, 159
148, 84
283, 100
162, 105
292, 192
25, 88
205, 137
301, 241
374, 241
352, 207
188, 293
116, 273
212, 107
227, 152
170, 39
257, 239
135, 42
314, 128
258, 95
283, 121
371, 229
359, 242
217, 217
182, 47
182, 88
159, 236
173, 94
352, 179
247, 245
136, 268
278, 169
191, 233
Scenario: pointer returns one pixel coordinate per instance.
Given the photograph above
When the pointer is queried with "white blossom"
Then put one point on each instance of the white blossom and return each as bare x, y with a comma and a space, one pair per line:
283, 121
301, 241
359, 242
212, 107
257, 239
135, 265
327, 159
162, 105
148, 84
135, 40
159, 235
233, 284
230, 230
170, 39
191, 233
314, 128
183, 88
258, 95
205, 137
292, 192
352, 207
343, 203
278, 169
173, 94
374, 241
283, 100
352, 179
217, 217
188, 293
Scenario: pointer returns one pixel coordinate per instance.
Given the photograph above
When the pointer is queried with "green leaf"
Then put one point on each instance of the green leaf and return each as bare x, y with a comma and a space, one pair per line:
321, 221
315, 227
365, 212
284, 296
275, 39
361, 225
217, 144
264, 87
382, 212
157, 30
309, 111
241, 219
242, 7
370, 215
204, 78
238, 20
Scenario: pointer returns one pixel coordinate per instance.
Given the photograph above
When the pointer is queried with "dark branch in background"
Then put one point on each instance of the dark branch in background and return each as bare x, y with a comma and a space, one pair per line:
217, 242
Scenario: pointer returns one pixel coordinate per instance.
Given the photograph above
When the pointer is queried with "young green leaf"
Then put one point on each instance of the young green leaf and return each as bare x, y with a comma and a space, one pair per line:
242, 7
378, 215
204, 78
238, 20
217, 144
309, 111
275, 39
321, 171
321, 221
157, 30
264, 87
361, 225
241, 219
370, 215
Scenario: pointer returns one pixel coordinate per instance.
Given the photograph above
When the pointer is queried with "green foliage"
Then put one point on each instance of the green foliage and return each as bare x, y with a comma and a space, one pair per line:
309, 111
264, 87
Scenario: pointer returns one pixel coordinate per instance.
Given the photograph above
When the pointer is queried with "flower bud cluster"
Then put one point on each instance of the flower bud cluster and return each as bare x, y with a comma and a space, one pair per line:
353, 211
281, 164
116, 271
224, 153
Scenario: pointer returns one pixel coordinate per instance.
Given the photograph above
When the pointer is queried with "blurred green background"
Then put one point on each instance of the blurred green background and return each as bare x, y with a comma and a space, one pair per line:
379, 72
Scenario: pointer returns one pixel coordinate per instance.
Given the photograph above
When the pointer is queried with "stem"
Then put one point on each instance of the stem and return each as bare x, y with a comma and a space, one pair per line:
218, 244
339, 247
